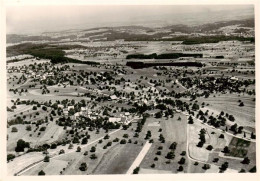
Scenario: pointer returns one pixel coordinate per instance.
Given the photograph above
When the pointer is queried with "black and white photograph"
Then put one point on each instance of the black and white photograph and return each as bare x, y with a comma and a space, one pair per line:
130, 89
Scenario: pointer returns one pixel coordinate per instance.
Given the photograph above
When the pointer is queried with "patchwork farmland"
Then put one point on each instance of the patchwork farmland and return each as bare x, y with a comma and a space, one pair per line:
132, 100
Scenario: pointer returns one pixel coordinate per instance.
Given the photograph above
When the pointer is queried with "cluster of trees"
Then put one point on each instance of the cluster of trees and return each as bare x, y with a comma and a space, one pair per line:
163, 56
202, 137
21, 145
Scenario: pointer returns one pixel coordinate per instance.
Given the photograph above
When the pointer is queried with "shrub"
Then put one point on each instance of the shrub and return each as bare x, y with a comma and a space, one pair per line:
180, 168
53, 146
206, 166
14, 130
106, 137
61, 151
123, 141
21, 144
41, 173
78, 149
83, 166
136, 170
170, 155
85, 153
246, 161
93, 156
84, 141
182, 161
93, 149
42, 128
46, 159
209, 147
28, 128
10, 157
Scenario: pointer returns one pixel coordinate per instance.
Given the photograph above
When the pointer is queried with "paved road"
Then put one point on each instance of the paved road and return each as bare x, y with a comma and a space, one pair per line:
140, 157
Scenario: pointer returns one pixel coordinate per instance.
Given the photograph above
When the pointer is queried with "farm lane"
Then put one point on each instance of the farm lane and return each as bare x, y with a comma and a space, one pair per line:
140, 157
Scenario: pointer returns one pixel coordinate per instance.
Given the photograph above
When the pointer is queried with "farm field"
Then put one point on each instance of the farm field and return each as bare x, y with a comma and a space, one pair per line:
125, 100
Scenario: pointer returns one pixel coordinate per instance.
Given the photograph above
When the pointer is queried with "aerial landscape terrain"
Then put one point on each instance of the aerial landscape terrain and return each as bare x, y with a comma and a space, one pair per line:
133, 99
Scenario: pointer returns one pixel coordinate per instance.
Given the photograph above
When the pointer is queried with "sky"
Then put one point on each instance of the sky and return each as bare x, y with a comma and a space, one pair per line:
38, 19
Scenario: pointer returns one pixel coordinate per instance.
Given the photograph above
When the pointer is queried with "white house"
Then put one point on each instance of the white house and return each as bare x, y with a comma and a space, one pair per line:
113, 97
114, 120
70, 107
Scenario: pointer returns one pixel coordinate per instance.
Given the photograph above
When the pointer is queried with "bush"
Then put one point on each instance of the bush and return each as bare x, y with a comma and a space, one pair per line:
106, 137
10, 157
241, 104
182, 161
226, 150
70, 146
46, 159
180, 168
123, 141
116, 140
61, 151
42, 128
78, 149
14, 130
83, 166
41, 173
221, 136
209, 147
125, 135
253, 170
173, 146
85, 153
246, 161
206, 166
170, 155
21, 144
93, 149
84, 141
93, 156
53, 146
136, 170
28, 128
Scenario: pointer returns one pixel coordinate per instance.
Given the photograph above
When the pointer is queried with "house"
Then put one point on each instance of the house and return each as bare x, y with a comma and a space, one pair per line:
234, 78
84, 109
66, 113
114, 120
60, 106
76, 115
124, 120
70, 107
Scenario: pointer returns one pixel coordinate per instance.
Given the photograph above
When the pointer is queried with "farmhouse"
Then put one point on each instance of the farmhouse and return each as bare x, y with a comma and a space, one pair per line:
113, 97
70, 107
114, 120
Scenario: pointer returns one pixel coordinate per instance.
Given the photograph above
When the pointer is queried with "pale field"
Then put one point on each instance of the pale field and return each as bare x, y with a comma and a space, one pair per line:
171, 130
23, 161
74, 159
153, 171
52, 133
27, 62
244, 116
118, 160
52, 168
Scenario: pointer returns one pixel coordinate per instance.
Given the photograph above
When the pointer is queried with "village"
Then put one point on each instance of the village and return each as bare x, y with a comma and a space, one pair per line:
76, 107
